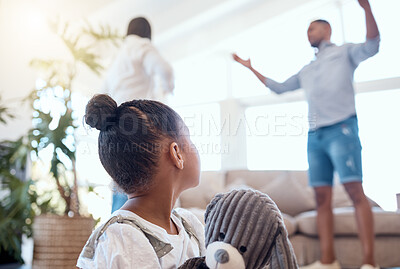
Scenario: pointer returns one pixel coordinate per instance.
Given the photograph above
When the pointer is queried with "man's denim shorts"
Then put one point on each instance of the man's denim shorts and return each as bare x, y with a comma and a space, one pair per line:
334, 148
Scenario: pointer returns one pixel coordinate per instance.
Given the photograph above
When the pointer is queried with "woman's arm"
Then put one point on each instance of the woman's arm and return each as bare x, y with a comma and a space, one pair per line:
155, 65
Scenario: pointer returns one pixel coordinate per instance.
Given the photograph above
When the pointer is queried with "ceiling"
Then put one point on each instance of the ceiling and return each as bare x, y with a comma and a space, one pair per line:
182, 27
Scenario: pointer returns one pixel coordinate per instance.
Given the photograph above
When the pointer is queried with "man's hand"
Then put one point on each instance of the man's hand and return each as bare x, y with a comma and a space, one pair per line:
372, 28
246, 63
364, 4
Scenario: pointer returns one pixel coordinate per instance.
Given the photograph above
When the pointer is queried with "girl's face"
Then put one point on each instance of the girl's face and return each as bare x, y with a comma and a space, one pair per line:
191, 164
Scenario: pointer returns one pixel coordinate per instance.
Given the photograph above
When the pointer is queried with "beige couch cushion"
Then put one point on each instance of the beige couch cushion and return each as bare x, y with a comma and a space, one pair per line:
288, 189
210, 184
348, 250
257, 179
290, 194
238, 184
385, 222
341, 198
290, 224
198, 212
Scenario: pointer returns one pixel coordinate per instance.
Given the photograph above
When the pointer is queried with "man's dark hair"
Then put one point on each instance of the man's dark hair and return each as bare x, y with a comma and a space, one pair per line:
139, 26
131, 137
322, 21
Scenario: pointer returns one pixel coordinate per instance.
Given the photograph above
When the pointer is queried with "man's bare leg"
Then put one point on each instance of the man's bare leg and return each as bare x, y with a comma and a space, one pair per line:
364, 219
323, 197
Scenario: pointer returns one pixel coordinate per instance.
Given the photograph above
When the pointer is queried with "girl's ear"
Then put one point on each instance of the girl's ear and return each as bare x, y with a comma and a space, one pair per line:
175, 155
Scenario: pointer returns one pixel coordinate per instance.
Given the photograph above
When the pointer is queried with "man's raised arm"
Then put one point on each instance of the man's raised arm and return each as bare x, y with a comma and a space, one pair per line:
372, 27
289, 85
361, 52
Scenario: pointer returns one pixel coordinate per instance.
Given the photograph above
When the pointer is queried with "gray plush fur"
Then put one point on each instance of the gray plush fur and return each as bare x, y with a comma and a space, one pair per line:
251, 222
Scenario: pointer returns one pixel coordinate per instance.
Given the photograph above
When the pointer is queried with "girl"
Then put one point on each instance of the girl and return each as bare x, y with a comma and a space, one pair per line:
145, 147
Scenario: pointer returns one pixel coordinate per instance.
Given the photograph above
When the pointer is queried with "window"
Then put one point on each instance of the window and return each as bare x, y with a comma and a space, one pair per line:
200, 79
378, 114
90, 170
277, 140
277, 137
386, 63
279, 47
204, 124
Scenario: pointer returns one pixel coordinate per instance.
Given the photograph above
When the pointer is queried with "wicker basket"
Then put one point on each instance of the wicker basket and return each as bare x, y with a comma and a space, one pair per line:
58, 240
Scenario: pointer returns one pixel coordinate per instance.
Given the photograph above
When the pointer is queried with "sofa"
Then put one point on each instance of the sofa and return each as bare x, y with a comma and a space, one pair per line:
295, 199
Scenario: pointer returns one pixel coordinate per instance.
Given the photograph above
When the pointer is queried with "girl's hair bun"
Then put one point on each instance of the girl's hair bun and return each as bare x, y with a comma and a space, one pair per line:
101, 112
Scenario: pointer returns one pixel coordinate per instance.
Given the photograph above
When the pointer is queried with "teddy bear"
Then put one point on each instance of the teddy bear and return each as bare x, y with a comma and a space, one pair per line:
244, 229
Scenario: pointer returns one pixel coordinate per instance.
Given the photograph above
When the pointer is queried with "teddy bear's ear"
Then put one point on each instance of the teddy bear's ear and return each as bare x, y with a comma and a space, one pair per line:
194, 263
211, 206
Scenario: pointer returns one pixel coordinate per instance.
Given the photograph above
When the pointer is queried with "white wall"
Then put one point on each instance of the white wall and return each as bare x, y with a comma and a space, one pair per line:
180, 28
15, 77
183, 27
24, 36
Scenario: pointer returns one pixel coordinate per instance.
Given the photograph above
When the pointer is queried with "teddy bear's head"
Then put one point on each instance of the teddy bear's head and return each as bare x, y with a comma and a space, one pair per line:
245, 229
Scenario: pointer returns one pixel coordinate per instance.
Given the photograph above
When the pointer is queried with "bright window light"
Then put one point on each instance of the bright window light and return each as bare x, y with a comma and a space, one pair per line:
386, 63
378, 114
204, 124
200, 79
277, 137
279, 47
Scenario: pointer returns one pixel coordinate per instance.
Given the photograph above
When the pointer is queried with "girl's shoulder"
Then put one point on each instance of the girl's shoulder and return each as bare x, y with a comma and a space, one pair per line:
116, 241
187, 215
120, 230
193, 221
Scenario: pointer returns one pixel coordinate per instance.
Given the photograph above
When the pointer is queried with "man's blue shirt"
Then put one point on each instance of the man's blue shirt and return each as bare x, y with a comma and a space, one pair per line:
328, 81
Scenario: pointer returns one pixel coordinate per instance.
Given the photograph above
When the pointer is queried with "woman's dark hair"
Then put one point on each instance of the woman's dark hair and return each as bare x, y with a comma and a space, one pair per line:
140, 27
322, 21
131, 137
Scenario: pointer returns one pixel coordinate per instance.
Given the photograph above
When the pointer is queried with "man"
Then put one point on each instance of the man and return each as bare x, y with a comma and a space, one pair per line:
333, 142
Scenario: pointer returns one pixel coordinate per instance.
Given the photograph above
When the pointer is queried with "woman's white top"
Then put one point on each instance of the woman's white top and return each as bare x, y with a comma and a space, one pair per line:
138, 72
123, 246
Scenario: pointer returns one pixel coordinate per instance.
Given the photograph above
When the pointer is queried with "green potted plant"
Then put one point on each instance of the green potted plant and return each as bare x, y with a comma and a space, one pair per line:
16, 196
58, 238
59, 229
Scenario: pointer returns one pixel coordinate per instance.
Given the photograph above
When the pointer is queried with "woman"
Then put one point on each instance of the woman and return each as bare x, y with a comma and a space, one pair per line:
138, 72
